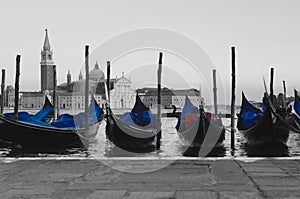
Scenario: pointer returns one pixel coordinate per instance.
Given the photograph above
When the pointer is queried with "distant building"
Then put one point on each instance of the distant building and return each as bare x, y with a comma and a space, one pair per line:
32, 100
170, 97
9, 97
75, 101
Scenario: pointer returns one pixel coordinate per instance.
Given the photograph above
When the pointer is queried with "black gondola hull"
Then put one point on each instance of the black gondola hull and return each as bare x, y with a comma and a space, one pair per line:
202, 133
265, 132
127, 137
195, 138
270, 129
34, 136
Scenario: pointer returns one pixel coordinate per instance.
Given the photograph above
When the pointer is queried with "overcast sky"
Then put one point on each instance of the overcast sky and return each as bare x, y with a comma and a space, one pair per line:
265, 33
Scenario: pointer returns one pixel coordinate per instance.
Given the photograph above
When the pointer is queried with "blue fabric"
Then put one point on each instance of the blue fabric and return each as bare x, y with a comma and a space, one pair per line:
264, 107
78, 120
250, 119
249, 114
219, 122
43, 113
64, 121
139, 106
139, 115
297, 106
38, 118
22, 116
126, 118
25, 117
248, 107
188, 108
141, 119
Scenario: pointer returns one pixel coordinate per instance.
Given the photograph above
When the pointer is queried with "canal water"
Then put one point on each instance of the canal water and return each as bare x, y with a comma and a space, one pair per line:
171, 146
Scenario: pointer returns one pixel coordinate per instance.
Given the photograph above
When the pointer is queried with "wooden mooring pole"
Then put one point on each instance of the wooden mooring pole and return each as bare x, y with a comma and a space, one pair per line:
2, 90
108, 80
86, 104
232, 98
159, 71
54, 93
284, 94
271, 85
215, 93
17, 87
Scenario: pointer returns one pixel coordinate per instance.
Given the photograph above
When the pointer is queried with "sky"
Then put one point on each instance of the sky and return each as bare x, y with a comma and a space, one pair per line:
265, 34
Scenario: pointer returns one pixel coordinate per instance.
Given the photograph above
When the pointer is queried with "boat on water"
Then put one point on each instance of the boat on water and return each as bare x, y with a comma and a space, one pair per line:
262, 127
135, 130
294, 113
297, 102
36, 131
197, 128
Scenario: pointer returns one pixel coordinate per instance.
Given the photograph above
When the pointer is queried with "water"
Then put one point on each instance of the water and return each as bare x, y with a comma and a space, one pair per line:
171, 146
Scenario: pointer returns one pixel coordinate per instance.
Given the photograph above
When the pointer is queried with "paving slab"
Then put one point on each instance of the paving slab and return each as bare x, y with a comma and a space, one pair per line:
150, 178
239, 195
196, 194
152, 194
105, 194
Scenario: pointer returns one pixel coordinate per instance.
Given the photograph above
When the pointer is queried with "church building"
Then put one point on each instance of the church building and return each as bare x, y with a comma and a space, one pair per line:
70, 95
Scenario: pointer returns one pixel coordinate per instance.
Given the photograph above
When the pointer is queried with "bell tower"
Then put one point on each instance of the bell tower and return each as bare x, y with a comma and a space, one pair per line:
46, 65
80, 76
69, 88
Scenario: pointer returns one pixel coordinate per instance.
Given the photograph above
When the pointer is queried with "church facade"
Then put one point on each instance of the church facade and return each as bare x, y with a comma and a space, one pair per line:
71, 93
121, 94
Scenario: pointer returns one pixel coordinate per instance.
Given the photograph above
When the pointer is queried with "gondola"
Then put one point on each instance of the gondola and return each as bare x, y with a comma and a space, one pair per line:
262, 127
297, 102
30, 133
135, 130
294, 113
196, 128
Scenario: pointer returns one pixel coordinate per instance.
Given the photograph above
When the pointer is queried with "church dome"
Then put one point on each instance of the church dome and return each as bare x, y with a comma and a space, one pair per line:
96, 74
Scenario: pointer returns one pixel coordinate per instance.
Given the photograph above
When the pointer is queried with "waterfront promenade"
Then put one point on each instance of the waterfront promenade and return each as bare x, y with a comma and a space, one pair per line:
150, 178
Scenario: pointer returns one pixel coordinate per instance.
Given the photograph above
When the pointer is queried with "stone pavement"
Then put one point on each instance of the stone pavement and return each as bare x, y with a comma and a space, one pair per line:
150, 178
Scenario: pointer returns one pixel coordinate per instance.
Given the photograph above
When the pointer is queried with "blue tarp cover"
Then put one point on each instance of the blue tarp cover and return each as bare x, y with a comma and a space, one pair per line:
25, 117
297, 103
249, 114
63, 121
78, 120
42, 114
188, 108
139, 115
250, 119
141, 119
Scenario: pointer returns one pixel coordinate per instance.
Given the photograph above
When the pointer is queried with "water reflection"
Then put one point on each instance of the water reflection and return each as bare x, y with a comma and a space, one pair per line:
271, 150
8, 149
115, 151
195, 152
